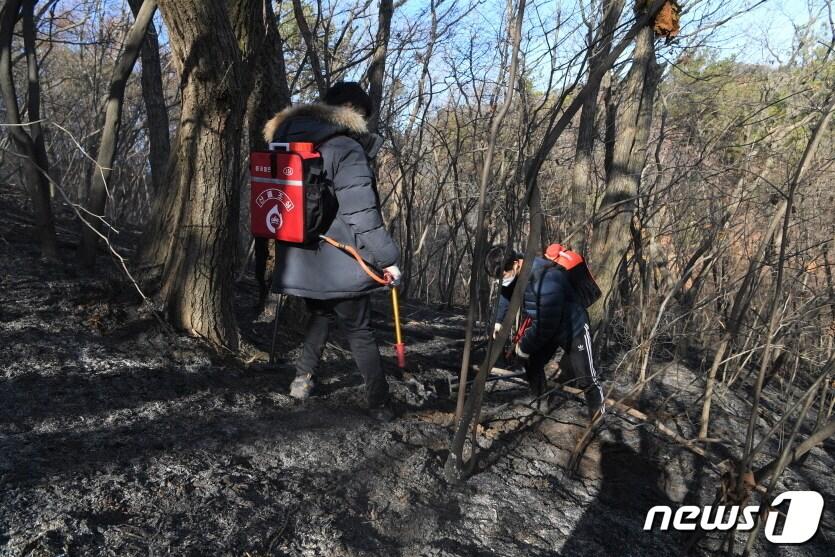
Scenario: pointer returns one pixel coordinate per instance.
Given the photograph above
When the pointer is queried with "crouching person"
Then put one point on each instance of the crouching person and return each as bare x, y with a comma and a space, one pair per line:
331, 282
553, 318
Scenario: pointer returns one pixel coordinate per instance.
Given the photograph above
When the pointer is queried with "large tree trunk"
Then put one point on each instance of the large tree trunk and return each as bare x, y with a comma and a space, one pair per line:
198, 275
264, 73
159, 143
270, 93
270, 89
97, 196
158, 235
581, 191
611, 236
377, 69
30, 148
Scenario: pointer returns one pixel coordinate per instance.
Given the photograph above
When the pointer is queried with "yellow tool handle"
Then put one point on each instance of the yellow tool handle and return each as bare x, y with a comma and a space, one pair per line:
396, 305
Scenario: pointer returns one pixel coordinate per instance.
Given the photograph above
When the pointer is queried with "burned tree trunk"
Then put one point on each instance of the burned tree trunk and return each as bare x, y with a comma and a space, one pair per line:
158, 235
270, 93
611, 235
97, 196
29, 145
270, 89
159, 144
581, 189
377, 70
198, 274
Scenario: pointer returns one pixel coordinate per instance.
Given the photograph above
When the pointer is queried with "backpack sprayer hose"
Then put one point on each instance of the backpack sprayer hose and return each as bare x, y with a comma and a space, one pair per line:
353, 252
399, 347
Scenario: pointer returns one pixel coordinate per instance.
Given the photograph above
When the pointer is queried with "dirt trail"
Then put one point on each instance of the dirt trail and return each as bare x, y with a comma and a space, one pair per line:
119, 438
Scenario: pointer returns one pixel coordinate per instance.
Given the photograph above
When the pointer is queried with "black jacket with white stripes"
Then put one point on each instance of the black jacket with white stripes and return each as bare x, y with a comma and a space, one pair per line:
550, 301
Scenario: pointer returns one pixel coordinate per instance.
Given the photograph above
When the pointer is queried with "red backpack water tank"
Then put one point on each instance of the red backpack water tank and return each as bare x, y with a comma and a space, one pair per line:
289, 198
578, 273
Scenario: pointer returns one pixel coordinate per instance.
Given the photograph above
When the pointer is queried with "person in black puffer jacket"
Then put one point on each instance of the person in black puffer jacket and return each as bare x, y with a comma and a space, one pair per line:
330, 281
557, 320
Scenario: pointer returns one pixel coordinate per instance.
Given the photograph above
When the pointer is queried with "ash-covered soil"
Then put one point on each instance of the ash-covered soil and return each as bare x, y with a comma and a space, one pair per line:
119, 437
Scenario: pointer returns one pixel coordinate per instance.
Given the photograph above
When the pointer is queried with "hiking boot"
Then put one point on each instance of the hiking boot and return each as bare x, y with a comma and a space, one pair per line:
383, 413
302, 386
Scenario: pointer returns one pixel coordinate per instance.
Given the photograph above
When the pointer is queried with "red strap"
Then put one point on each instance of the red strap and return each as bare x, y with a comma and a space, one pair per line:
524, 327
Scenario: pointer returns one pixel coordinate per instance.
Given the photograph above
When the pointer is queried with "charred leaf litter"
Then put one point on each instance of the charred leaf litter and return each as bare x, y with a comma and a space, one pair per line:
119, 437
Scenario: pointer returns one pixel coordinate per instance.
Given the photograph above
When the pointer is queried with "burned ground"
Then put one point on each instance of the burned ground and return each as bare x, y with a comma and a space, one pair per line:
119, 437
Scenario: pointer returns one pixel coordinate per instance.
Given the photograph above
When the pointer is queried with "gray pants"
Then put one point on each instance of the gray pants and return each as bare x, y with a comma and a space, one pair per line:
354, 318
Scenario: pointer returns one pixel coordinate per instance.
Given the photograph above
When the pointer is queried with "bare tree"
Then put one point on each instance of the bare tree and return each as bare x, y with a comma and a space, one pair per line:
312, 49
29, 145
377, 69
159, 143
197, 278
468, 411
581, 191
270, 93
97, 196
634, 117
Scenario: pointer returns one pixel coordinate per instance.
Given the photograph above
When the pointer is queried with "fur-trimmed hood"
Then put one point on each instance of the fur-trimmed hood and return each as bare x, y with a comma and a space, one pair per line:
335, 119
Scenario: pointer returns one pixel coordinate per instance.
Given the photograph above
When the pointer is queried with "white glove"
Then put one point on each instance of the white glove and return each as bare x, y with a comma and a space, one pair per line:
521, 354
394, 273
497, 328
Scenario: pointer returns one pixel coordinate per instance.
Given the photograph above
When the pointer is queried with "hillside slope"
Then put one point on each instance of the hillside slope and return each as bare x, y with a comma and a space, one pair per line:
119, 437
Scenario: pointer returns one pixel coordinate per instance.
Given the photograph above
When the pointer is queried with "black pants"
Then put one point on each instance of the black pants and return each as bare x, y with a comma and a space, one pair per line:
354, 318
577, 360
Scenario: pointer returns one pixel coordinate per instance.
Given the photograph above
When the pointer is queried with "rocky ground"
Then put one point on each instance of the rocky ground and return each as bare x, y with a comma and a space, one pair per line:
119, 437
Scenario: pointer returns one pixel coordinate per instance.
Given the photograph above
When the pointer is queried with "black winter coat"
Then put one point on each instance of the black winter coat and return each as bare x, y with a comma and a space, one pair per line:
556, 314
323, 271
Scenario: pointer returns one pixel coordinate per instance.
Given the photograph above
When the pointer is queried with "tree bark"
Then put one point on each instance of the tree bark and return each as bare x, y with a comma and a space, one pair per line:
30, 148
97, 196
159, 142
611, 236
158, 235
581, 191
310, 43
377, 69
270, 93
198, 275
270, 88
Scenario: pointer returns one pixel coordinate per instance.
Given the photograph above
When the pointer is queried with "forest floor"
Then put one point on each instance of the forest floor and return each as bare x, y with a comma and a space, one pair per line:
120, 437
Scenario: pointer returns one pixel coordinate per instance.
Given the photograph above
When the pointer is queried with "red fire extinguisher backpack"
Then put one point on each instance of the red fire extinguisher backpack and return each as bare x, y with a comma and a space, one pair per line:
290, 199
578, 273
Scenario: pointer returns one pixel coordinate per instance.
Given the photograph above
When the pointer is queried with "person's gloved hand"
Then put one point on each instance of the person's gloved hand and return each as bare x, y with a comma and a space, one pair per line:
521, 355
394, 275
497, 328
